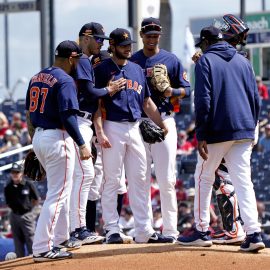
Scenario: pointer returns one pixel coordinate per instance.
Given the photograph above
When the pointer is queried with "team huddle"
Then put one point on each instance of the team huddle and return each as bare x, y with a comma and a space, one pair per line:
86, 98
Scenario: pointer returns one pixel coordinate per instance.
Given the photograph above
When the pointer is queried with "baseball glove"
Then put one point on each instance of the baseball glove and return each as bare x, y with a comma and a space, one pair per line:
151, 133
32, 167
159, 78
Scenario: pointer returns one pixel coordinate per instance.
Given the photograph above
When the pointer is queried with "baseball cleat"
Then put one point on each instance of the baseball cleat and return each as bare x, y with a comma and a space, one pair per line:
70, 244
87, 237
196, 238
253, 243
174, 238
222, 238
52, 255
157, 238
126, 239
114, 238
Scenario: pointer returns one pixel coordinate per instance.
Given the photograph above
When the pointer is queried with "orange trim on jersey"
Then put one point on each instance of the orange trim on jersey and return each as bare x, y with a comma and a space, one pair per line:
175, 102
65, 180
82, 180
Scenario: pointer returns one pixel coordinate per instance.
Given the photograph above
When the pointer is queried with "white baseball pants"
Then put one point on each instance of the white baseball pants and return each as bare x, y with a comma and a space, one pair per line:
237, 156
163, 155
82, 178
54, 149
128, 149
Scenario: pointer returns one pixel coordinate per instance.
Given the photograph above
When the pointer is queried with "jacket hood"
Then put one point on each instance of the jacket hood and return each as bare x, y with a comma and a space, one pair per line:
222, 49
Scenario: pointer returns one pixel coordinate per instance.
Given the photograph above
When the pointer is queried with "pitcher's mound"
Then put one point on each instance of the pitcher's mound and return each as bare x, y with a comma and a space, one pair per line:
151, 256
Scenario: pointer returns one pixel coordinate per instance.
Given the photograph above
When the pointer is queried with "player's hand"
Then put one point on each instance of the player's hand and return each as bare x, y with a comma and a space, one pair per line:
168, 92
103, 141
202, 148
165, 129
196, 56
85, 152
115, 86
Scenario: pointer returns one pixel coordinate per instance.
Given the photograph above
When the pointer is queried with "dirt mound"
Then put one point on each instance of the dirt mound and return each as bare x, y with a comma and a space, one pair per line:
155, 256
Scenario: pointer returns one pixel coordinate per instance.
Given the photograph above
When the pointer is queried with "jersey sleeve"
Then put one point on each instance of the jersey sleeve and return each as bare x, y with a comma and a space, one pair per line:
178, 77
84, 70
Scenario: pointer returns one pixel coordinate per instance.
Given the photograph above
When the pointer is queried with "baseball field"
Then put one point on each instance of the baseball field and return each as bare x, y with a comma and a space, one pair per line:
155, 256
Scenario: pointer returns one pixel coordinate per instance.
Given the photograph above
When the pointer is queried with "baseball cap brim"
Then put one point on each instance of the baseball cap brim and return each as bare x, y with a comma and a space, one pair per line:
153, 33
15, 170
101, 36
127, 42
198, 44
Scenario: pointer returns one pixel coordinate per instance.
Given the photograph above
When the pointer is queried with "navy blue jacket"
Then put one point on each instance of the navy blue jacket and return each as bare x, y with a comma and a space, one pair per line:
227, 102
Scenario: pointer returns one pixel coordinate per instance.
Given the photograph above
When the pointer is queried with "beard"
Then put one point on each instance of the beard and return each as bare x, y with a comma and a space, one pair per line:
121, 56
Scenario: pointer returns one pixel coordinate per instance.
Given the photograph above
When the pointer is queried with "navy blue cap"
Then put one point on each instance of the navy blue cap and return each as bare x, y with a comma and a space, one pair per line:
210, 33
151, 26
68, 49
93, 29
16, 168
120, 37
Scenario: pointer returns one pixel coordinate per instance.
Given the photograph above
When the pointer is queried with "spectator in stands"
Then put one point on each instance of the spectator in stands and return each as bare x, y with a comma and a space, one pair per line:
17, 125
184, 147
264, 141
263, 90
3, 125
6, 141
181, 193
21, 196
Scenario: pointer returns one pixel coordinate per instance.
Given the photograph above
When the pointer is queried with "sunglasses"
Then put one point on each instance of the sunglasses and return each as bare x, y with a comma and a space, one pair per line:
97, 39
151, 27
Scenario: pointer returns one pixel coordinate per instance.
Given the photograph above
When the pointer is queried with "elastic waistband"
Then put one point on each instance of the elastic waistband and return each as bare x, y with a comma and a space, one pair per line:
85, 115
41, 129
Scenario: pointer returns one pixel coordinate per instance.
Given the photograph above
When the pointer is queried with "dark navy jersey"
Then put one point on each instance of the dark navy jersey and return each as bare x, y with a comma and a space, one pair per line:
176, 73
127, 104
50, 92
88, 95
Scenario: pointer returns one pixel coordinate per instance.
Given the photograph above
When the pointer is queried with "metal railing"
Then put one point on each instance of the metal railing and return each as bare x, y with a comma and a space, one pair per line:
11, 153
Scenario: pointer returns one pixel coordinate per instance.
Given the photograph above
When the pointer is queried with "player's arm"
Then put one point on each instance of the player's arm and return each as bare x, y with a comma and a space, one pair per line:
30, 127
152, 112
177, 92
101, 137
91, 92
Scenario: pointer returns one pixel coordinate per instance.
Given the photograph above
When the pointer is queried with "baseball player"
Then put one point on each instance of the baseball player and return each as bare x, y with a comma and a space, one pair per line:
224, 130
51, 110
95, 188
121, 140
91, 37
234, 32
163, 154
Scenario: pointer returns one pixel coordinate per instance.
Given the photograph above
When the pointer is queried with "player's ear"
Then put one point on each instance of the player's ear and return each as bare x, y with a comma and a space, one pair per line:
70, 60
141, 34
